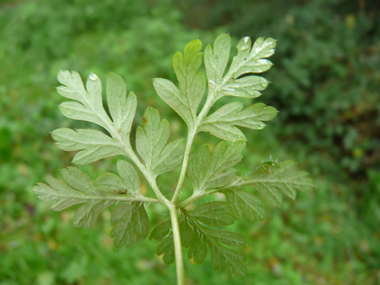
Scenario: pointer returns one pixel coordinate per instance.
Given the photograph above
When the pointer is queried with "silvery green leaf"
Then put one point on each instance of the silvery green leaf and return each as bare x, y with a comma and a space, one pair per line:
130, 176
216, 58
207, 170
223, 131
129, 218
88, 106
246, 87
244, 203
271, 177
251, 59
213, 214
128, 183
151, 144
92, 144
221, 123
76, 189
185, 101
122, 109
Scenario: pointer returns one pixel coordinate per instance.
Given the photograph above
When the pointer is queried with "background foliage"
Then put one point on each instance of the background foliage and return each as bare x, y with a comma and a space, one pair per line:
325, 83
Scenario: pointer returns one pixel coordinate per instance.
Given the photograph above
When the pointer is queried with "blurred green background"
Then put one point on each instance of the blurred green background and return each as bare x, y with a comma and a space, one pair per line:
325, 83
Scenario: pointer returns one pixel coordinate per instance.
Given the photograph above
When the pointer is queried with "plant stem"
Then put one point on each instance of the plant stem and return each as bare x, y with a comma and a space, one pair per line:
177, 246
190, 139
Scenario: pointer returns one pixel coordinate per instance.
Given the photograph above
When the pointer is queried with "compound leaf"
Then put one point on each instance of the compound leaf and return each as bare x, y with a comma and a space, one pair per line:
151, 140
272, 177
207, 170
129, 218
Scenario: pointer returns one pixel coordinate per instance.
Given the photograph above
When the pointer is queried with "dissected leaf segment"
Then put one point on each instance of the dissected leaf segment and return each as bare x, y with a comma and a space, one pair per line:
198, 230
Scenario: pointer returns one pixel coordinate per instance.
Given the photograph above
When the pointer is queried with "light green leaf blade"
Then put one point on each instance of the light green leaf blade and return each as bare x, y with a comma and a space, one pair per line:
122, 109
272, 177
92, 144
244, 203
246, 87
251, 59
90, 107
207, 170
128, 183
78, 188
223, 131
185, 101
112, 183
129, 218
151, 140
129, 176
221, 123
216, 58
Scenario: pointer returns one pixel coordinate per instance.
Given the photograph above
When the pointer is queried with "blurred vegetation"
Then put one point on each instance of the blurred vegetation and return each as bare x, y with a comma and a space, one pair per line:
325, 82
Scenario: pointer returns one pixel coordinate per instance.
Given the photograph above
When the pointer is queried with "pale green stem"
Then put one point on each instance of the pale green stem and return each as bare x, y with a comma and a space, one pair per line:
190, 138
177, 246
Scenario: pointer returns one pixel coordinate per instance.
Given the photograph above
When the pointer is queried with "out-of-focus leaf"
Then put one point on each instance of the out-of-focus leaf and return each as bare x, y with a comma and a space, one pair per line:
244, 203
78, 188
271, 177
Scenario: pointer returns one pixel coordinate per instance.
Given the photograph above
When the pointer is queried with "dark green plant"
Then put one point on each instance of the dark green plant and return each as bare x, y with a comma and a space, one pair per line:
209, 171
